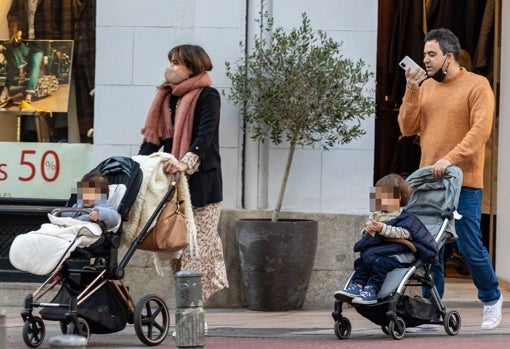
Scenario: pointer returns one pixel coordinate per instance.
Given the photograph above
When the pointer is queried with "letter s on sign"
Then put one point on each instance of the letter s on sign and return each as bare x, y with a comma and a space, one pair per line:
3, 174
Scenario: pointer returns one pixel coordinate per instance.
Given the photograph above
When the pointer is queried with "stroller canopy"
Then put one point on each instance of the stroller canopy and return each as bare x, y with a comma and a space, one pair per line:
435, 199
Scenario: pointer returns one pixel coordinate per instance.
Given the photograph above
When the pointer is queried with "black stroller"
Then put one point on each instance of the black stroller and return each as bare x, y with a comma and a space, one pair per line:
93, 298
433, 201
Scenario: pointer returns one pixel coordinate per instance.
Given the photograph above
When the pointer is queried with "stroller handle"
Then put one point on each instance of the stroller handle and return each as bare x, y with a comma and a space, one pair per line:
58, 211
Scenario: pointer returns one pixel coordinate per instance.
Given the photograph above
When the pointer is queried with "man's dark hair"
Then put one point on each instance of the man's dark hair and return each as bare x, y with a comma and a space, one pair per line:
448, 42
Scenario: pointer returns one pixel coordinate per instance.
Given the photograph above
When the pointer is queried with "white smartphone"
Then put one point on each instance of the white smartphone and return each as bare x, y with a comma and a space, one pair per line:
407, 62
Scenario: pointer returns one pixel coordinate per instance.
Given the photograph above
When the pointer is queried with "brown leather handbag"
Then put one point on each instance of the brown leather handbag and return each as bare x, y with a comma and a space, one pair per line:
169, 232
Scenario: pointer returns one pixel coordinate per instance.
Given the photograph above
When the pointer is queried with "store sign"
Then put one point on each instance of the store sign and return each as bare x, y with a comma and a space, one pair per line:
42, 170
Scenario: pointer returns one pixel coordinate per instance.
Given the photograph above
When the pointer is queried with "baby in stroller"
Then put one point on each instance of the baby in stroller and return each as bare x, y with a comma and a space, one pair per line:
92, 195
390, 239
41, 251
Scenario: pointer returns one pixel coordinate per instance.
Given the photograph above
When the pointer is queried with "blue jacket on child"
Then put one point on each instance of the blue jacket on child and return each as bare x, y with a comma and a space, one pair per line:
375, 246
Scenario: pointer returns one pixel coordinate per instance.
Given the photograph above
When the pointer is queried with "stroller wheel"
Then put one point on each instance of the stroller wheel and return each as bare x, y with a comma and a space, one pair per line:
385, 330
343, 328
452, 322
393, 328
151, 320
33, 331
82, 328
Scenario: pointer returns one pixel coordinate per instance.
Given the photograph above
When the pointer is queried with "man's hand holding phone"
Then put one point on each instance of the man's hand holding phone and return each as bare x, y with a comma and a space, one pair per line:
415, 74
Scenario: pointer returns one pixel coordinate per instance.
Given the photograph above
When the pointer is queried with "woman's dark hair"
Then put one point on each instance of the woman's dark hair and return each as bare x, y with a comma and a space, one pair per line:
95, 180
193, 57
448, 42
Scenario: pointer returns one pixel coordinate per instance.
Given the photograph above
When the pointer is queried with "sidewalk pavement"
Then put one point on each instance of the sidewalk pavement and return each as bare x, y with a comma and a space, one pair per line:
309, 328
241, 328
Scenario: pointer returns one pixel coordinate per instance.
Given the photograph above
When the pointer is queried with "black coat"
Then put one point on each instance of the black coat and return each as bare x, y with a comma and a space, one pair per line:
205, 184
372, 247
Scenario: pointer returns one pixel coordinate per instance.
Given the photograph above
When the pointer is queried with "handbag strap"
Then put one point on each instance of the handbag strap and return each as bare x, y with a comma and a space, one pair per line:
176, 189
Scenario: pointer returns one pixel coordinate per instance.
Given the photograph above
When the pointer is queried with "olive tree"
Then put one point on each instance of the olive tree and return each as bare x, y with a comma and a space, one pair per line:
297, 86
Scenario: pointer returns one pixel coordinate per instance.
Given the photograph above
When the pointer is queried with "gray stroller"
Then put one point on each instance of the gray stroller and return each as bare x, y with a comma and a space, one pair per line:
433, 201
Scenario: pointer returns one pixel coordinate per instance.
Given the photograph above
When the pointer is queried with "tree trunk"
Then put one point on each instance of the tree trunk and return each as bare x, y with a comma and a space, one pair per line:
290, 157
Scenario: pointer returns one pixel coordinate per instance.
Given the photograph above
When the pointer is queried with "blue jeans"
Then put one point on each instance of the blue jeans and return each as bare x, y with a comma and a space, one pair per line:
471, 246
374, 274
437, 271
34, 56
35, 69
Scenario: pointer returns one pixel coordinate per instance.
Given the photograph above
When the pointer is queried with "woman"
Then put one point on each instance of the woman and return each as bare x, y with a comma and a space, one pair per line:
184, 119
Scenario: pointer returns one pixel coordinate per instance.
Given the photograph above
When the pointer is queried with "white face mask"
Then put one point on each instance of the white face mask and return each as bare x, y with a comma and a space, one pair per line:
174, 76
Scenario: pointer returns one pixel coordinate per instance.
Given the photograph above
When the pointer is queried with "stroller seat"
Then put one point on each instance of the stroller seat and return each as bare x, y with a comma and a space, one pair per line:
393, 279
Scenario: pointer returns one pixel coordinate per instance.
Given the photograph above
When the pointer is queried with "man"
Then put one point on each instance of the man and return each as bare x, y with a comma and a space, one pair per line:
452, 110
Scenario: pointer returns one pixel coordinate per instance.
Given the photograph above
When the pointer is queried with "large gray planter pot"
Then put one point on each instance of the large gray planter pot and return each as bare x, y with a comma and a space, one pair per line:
276, 261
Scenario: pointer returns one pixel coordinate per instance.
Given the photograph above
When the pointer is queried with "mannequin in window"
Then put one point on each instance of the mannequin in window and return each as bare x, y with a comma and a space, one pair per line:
64, 20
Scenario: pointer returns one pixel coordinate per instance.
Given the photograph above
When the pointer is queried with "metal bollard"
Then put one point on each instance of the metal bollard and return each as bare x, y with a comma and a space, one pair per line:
3, 329
189, 313
68, 341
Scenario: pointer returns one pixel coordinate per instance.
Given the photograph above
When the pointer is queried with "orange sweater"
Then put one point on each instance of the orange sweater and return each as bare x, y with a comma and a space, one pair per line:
454, 120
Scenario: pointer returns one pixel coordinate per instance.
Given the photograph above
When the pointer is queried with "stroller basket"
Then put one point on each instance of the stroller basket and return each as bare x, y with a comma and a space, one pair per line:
413, 310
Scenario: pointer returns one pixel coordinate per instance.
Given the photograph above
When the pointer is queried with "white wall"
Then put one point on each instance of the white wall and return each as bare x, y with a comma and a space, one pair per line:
133, 39
503, 205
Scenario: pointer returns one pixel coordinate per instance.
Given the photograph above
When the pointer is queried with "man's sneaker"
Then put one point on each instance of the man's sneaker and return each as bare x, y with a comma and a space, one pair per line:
354, 290
492, 315
367, 296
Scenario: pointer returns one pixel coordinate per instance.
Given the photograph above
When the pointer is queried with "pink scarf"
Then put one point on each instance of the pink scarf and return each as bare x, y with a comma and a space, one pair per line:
158, 125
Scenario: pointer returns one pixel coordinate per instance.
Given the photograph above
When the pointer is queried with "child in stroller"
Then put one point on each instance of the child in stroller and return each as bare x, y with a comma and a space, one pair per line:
92, 194
40, 251
433, 201
390, 239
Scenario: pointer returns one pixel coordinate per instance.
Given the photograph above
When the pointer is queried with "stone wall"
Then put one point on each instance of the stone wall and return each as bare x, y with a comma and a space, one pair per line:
333, 262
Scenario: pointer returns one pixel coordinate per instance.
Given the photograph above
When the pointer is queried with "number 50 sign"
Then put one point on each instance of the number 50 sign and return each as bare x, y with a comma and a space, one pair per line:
42, 170
49, 165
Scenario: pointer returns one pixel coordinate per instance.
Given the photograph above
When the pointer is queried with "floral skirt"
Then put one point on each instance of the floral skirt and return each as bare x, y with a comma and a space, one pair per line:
209, 261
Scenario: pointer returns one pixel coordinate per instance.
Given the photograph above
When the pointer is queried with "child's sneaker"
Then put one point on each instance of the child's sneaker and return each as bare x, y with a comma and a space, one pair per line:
367, 296
353, 291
